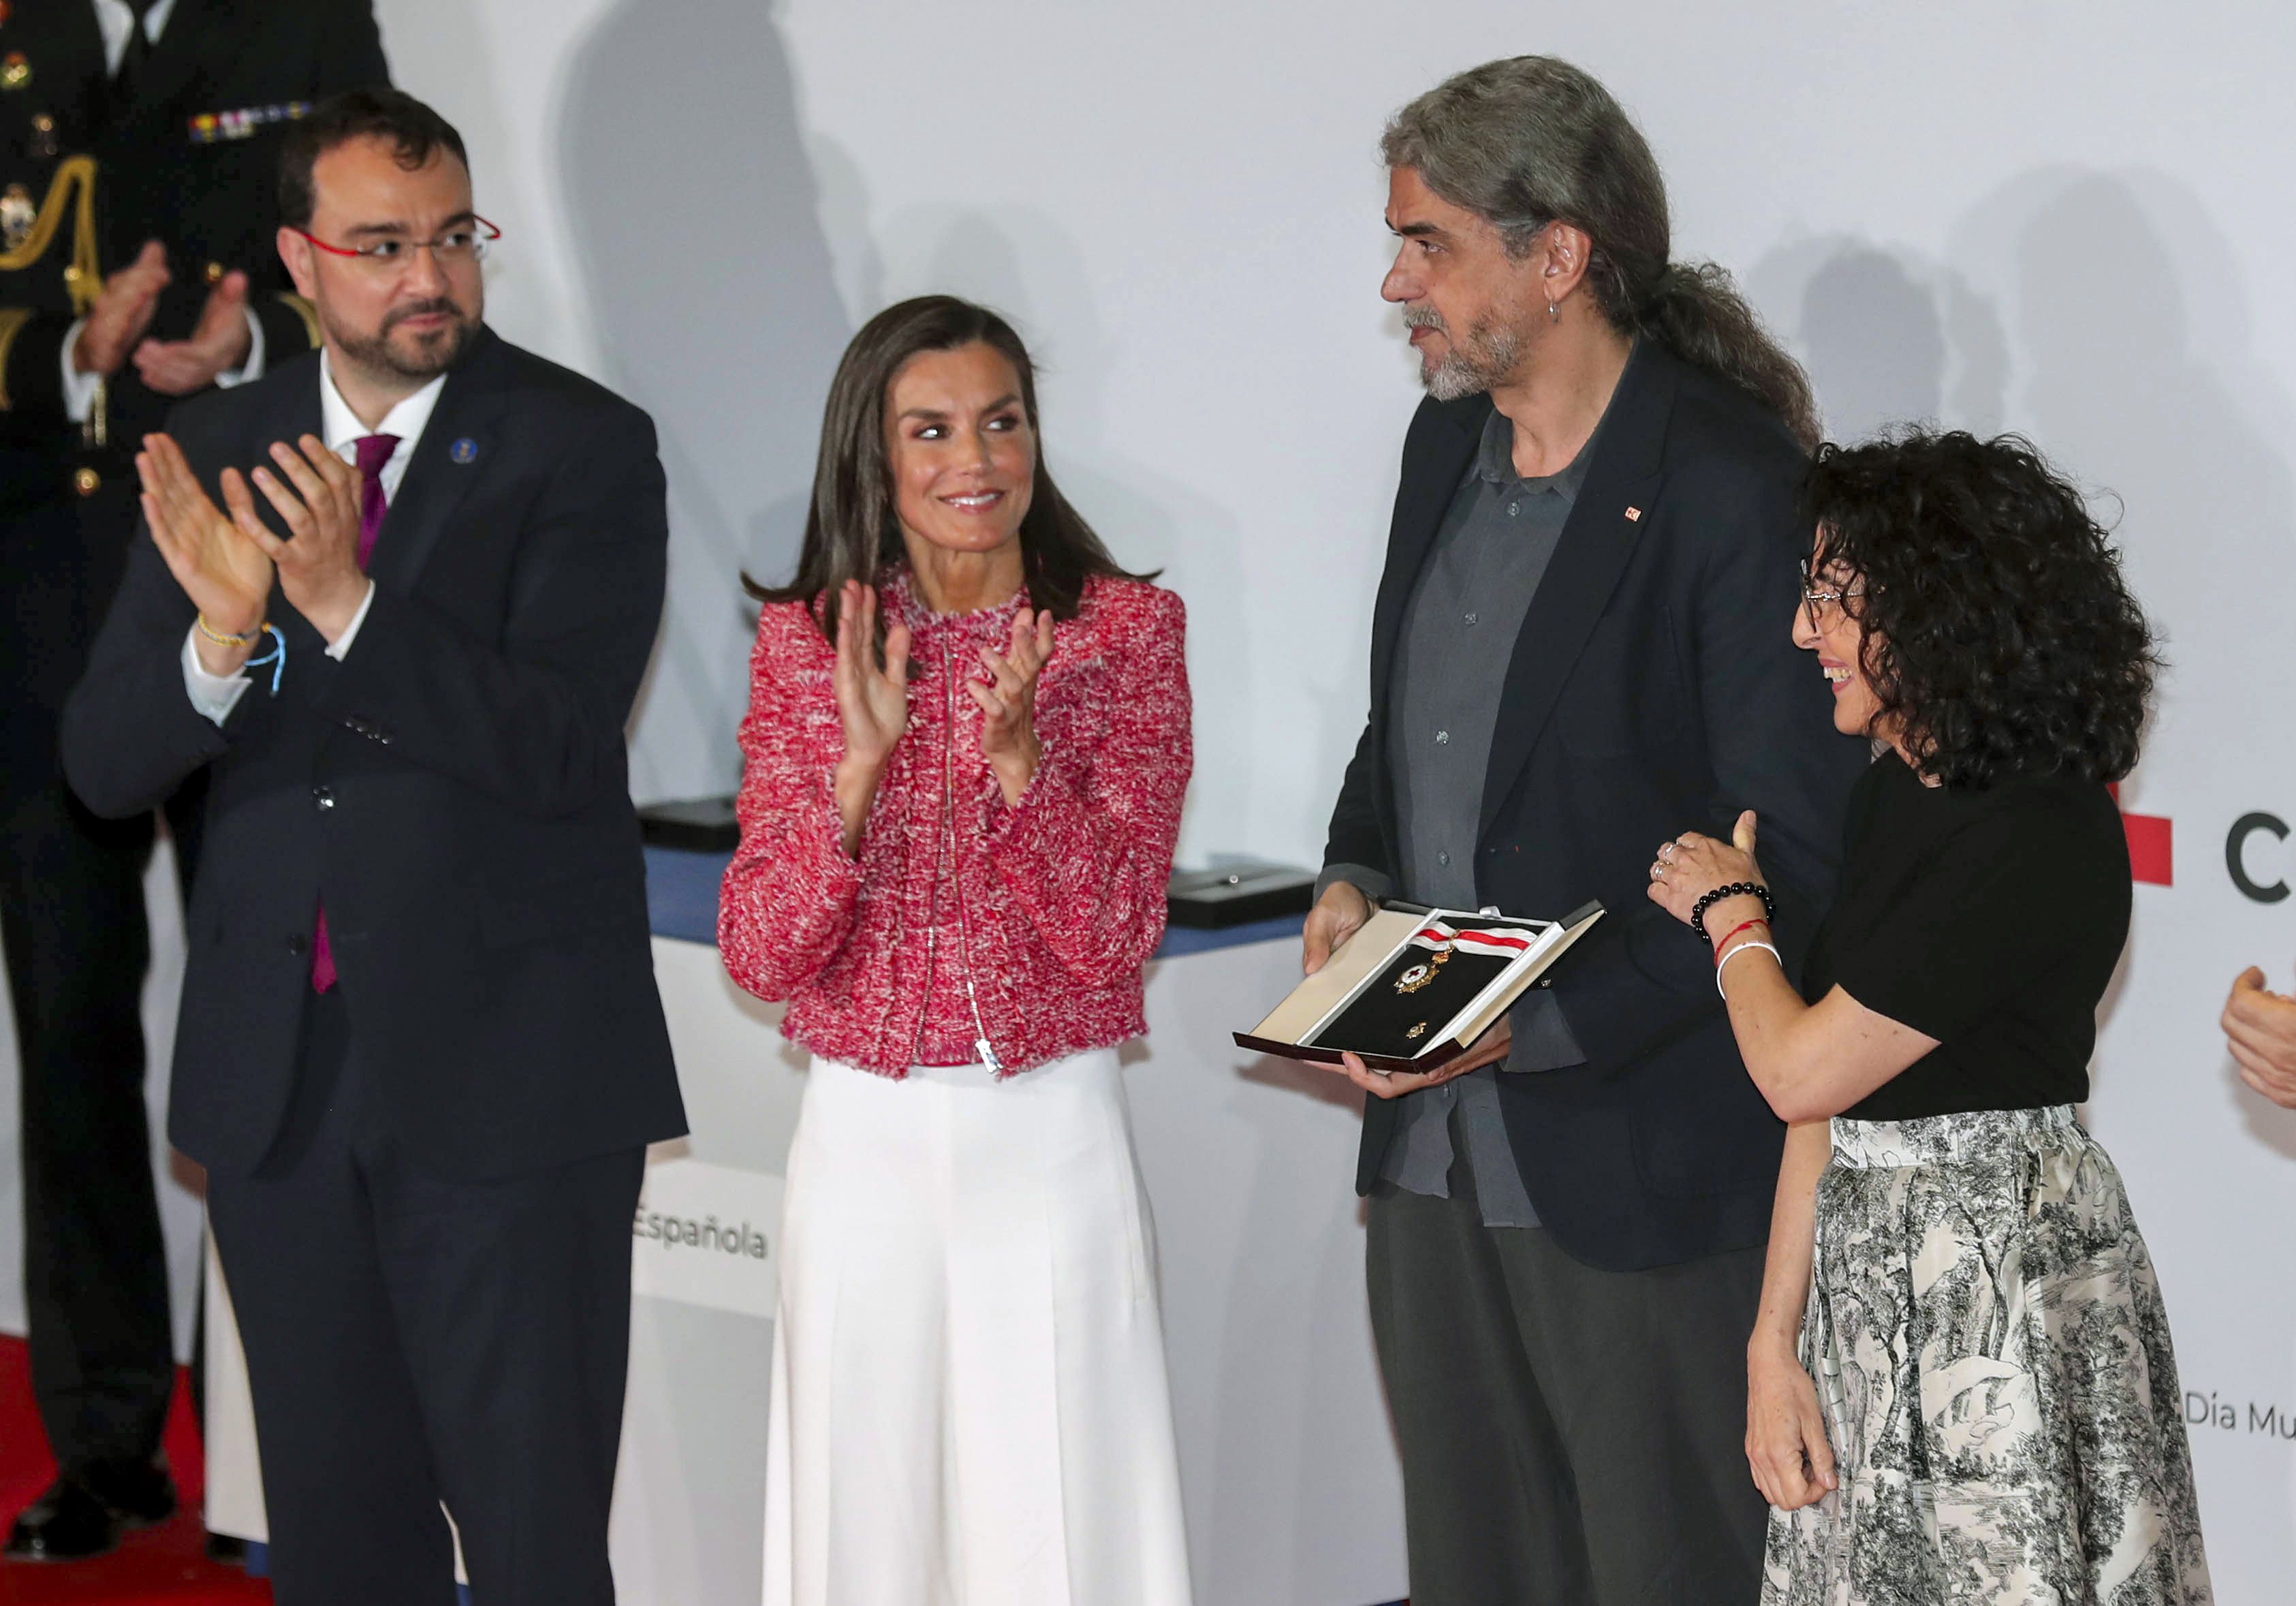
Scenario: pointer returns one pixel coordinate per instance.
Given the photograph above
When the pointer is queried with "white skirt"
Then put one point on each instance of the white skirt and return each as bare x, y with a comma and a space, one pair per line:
969, 1400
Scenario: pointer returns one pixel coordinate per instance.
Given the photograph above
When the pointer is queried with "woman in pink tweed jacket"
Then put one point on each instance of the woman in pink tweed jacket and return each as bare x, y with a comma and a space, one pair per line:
1061, 884
965, 751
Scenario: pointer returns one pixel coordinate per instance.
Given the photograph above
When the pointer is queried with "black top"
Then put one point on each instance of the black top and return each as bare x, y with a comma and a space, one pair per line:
1990, 920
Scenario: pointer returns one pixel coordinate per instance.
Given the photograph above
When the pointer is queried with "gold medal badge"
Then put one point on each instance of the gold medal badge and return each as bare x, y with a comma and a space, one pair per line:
1419, 975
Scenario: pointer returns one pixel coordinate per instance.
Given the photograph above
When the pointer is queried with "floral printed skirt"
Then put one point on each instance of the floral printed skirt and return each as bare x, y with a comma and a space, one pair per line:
1993, 1362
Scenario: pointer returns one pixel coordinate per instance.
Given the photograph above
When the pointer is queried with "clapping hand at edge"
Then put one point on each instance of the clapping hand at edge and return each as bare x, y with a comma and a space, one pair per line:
217, 558
1007, 696
872, 704
2259, 1028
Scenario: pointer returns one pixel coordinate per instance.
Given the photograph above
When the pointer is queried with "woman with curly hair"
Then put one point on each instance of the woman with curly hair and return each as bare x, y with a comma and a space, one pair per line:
1984, 1406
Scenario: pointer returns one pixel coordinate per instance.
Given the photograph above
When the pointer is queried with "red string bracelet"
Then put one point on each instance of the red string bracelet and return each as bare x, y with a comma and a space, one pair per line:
1743, 925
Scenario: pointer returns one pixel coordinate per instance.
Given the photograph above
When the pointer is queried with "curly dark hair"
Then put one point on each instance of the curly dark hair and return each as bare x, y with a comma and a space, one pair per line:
1998, 624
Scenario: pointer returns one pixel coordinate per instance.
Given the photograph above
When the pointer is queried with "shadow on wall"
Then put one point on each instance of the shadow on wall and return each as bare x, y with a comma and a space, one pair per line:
2139, 375
697, 228
1887, 338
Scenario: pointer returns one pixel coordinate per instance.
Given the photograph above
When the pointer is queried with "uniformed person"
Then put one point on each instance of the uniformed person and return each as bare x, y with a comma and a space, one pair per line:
138, 156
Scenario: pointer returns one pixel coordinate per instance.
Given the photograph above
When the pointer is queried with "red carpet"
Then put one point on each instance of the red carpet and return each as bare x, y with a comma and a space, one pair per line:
160, 1565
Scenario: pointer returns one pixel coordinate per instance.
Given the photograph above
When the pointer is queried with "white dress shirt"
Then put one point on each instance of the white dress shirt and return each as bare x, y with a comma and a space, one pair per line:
116, 23
215, 695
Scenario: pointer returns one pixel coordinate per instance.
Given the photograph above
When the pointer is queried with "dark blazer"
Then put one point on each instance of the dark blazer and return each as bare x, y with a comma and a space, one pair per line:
66, 505
1653, 689
456, 788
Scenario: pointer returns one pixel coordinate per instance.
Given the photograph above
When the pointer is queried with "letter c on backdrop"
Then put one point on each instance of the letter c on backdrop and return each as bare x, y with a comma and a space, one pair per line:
2244, 828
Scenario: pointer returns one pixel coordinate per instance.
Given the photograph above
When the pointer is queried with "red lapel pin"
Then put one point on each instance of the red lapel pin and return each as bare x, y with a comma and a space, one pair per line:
1634, 514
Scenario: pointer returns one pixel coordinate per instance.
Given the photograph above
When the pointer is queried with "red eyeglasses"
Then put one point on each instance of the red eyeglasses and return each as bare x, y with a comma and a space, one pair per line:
465, 242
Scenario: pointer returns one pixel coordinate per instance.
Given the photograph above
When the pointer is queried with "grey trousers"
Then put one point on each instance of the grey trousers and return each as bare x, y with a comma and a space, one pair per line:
1569, 1436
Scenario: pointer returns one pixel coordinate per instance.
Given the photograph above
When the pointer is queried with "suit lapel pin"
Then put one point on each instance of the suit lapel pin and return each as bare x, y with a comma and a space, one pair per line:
464, 450
1634, 515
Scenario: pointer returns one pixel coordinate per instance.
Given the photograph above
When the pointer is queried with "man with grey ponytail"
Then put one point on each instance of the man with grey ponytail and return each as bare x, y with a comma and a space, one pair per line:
1582, 639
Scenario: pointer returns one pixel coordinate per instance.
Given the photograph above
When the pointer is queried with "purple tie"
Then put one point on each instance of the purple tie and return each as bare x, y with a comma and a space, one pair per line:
373, 452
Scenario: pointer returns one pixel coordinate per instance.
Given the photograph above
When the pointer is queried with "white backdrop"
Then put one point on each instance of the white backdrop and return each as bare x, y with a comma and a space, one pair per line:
2071, 219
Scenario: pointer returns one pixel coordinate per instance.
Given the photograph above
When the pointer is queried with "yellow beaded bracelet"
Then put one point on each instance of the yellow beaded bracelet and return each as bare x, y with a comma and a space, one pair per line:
224, 638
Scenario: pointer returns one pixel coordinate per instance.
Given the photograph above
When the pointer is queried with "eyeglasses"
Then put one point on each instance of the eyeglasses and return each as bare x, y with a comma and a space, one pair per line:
1816, 598
465, 242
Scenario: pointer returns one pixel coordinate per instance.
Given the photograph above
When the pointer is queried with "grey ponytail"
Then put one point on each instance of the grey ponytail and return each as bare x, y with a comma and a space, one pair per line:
1695, 312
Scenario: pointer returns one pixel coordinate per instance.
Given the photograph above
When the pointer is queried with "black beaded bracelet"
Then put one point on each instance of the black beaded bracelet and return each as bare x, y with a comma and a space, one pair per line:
1734, 890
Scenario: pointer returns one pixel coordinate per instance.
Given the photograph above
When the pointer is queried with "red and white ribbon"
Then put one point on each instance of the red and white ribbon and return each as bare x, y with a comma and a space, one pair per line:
1440, 936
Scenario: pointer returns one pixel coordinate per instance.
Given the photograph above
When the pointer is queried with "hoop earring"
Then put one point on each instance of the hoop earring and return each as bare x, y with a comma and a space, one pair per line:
1554, 312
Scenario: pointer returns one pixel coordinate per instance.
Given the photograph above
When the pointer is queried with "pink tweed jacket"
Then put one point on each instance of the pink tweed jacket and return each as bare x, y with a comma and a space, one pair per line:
1054, 904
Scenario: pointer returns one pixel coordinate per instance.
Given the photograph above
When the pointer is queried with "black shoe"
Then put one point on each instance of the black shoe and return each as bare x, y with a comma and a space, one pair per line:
66, 1524
139, 1492
226, 1550
83, 1513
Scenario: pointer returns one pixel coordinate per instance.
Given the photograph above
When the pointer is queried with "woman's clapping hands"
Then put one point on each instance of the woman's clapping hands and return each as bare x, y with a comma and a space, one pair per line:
872, 704
872, 700
1006, 692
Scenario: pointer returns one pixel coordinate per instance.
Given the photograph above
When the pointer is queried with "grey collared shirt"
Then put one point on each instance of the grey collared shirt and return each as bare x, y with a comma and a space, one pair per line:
1459, 634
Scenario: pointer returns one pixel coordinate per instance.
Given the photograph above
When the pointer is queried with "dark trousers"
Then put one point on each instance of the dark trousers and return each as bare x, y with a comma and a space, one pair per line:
414, 1341
95, 1275
1569, 1436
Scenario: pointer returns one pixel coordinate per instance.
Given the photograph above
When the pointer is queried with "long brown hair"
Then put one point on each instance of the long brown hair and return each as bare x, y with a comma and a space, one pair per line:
1531, 141
851, 530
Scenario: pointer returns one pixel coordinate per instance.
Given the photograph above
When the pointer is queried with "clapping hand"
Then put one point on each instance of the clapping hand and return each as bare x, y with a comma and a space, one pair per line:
1007, 696
217, 558
873, 703
122, 312
219, 344
316, 495
2260, 1029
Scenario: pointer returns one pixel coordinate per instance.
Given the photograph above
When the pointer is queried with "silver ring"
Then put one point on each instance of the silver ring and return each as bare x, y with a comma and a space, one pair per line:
1665, 851
1658, 873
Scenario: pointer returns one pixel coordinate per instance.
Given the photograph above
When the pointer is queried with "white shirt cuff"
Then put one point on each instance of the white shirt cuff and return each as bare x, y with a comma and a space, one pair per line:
213, 695
342, 643
80, 389
252, 370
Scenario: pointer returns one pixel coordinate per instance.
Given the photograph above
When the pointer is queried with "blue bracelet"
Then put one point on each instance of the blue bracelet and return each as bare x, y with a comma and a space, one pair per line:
277, 658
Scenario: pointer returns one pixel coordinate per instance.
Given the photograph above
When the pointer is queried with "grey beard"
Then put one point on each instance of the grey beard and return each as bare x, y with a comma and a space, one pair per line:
1485, 358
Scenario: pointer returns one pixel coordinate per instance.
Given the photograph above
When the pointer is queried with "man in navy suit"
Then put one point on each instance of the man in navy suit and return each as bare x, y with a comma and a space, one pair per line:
1581, 640
396, 604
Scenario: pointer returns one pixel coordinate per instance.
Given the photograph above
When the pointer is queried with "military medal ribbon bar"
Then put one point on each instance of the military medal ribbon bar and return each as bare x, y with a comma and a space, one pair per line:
211, 127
